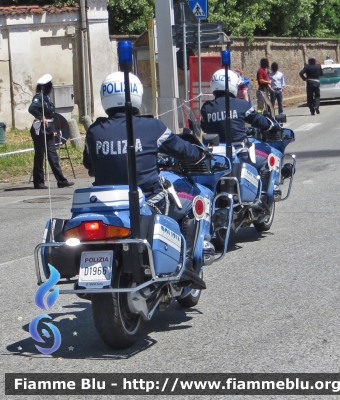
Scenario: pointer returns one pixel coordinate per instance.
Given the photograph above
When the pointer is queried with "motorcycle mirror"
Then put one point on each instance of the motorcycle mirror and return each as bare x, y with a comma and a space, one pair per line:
211, 139
281, 118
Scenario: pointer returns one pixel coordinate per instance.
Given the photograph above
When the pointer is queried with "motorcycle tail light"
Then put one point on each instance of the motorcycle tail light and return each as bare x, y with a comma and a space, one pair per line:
97, 230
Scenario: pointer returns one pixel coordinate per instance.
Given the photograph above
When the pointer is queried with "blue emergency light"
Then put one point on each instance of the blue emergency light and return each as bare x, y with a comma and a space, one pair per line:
125, 53
225, 54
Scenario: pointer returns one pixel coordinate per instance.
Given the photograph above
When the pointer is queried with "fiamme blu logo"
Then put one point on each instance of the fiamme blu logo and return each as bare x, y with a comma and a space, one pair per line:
51, 298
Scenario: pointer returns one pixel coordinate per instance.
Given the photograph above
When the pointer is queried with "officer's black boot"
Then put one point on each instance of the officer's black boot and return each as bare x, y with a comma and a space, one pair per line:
189, 276
262, 202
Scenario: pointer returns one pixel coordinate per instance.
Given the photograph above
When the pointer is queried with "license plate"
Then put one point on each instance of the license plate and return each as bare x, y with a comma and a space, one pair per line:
95, 269
327, 85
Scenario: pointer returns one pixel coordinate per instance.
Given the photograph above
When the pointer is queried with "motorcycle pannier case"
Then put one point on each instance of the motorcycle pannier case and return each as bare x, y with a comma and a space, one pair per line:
64, 259
247, 176
166, 245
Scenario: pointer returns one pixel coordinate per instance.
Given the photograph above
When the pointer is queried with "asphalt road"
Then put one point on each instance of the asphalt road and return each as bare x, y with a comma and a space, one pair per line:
272, 304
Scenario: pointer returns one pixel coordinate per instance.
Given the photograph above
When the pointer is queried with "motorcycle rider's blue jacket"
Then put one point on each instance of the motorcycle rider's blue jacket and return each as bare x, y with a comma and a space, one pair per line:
213, 117
106, 147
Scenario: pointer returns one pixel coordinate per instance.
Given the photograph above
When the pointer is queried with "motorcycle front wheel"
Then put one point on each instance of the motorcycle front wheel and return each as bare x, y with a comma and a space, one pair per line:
115, 323
266, 224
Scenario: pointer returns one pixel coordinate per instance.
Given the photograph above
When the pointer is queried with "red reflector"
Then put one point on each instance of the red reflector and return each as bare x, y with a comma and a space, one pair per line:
271, 161
199, 207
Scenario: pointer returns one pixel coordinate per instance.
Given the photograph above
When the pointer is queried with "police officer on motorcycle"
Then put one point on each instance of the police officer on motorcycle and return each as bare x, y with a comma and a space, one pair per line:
105, 155
213, 115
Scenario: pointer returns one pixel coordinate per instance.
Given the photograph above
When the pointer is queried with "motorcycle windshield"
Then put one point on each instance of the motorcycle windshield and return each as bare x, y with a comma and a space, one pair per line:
269, 105
175, 113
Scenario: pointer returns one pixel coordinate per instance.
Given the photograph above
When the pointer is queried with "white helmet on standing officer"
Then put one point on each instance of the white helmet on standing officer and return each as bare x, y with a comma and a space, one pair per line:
112, 91
217, 83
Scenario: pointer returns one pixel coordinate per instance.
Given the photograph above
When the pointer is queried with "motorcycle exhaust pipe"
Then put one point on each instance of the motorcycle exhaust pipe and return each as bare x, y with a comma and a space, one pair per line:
208, 253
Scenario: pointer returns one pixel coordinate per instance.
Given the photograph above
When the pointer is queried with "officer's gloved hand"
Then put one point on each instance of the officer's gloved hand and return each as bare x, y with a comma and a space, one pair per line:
207, 154
274, 125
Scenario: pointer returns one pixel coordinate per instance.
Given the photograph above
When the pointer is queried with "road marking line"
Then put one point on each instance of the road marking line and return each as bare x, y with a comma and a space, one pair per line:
17, 259
307, 127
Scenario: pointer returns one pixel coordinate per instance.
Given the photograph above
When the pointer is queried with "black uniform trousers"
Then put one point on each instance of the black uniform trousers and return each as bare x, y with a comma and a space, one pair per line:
313, 95
39, 155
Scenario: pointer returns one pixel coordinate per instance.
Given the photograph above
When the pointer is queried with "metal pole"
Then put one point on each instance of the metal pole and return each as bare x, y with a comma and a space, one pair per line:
185, 64
199, 65
85, 59
225, 54
151, 34
124, 49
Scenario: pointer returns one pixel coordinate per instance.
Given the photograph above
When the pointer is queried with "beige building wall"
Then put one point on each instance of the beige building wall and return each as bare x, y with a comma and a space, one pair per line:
36, 45
32, 45
5, 86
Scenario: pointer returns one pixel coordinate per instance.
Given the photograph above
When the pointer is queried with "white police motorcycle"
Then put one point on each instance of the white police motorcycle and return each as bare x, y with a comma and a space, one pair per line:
115, 252
244, 183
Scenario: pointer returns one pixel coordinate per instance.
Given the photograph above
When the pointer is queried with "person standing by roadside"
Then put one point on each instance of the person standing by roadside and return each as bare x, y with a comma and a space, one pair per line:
43, 127
244, 86
311, 75
264, 84
277, 83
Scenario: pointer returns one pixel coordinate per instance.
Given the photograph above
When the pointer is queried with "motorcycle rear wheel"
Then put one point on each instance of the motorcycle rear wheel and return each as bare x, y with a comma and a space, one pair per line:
192, 299
115, 323
267, 223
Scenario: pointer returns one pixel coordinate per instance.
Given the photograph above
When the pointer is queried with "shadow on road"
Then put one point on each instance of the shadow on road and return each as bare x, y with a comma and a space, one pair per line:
12, 189
80, 339
245, 235
317, 153
329, 102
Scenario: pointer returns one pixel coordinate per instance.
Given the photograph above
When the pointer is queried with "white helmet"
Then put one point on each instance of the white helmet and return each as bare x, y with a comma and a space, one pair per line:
218, 81
112, 92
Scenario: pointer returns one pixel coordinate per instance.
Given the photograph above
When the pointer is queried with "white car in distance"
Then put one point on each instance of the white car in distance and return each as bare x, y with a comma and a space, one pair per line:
330, 80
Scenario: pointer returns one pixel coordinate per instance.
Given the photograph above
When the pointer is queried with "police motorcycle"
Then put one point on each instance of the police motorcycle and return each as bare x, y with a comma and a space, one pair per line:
117, 253
244, 183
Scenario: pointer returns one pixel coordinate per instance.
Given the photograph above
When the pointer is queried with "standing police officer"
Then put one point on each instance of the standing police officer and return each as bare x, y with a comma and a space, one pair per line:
105, 154
43, 123
213, 115
311, 75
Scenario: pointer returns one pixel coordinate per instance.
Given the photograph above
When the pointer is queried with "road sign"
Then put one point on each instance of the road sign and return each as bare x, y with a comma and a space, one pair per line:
211, 33
199, 8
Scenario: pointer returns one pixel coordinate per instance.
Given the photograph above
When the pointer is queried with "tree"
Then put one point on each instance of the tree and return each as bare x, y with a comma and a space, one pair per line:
129, 16
240, 17
302, 18
289, 18
325, 21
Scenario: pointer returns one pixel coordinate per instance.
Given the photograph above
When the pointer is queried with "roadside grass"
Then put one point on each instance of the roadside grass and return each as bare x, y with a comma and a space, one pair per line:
22, 163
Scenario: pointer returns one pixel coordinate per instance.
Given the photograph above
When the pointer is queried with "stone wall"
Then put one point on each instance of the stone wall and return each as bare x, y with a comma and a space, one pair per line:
290, 53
